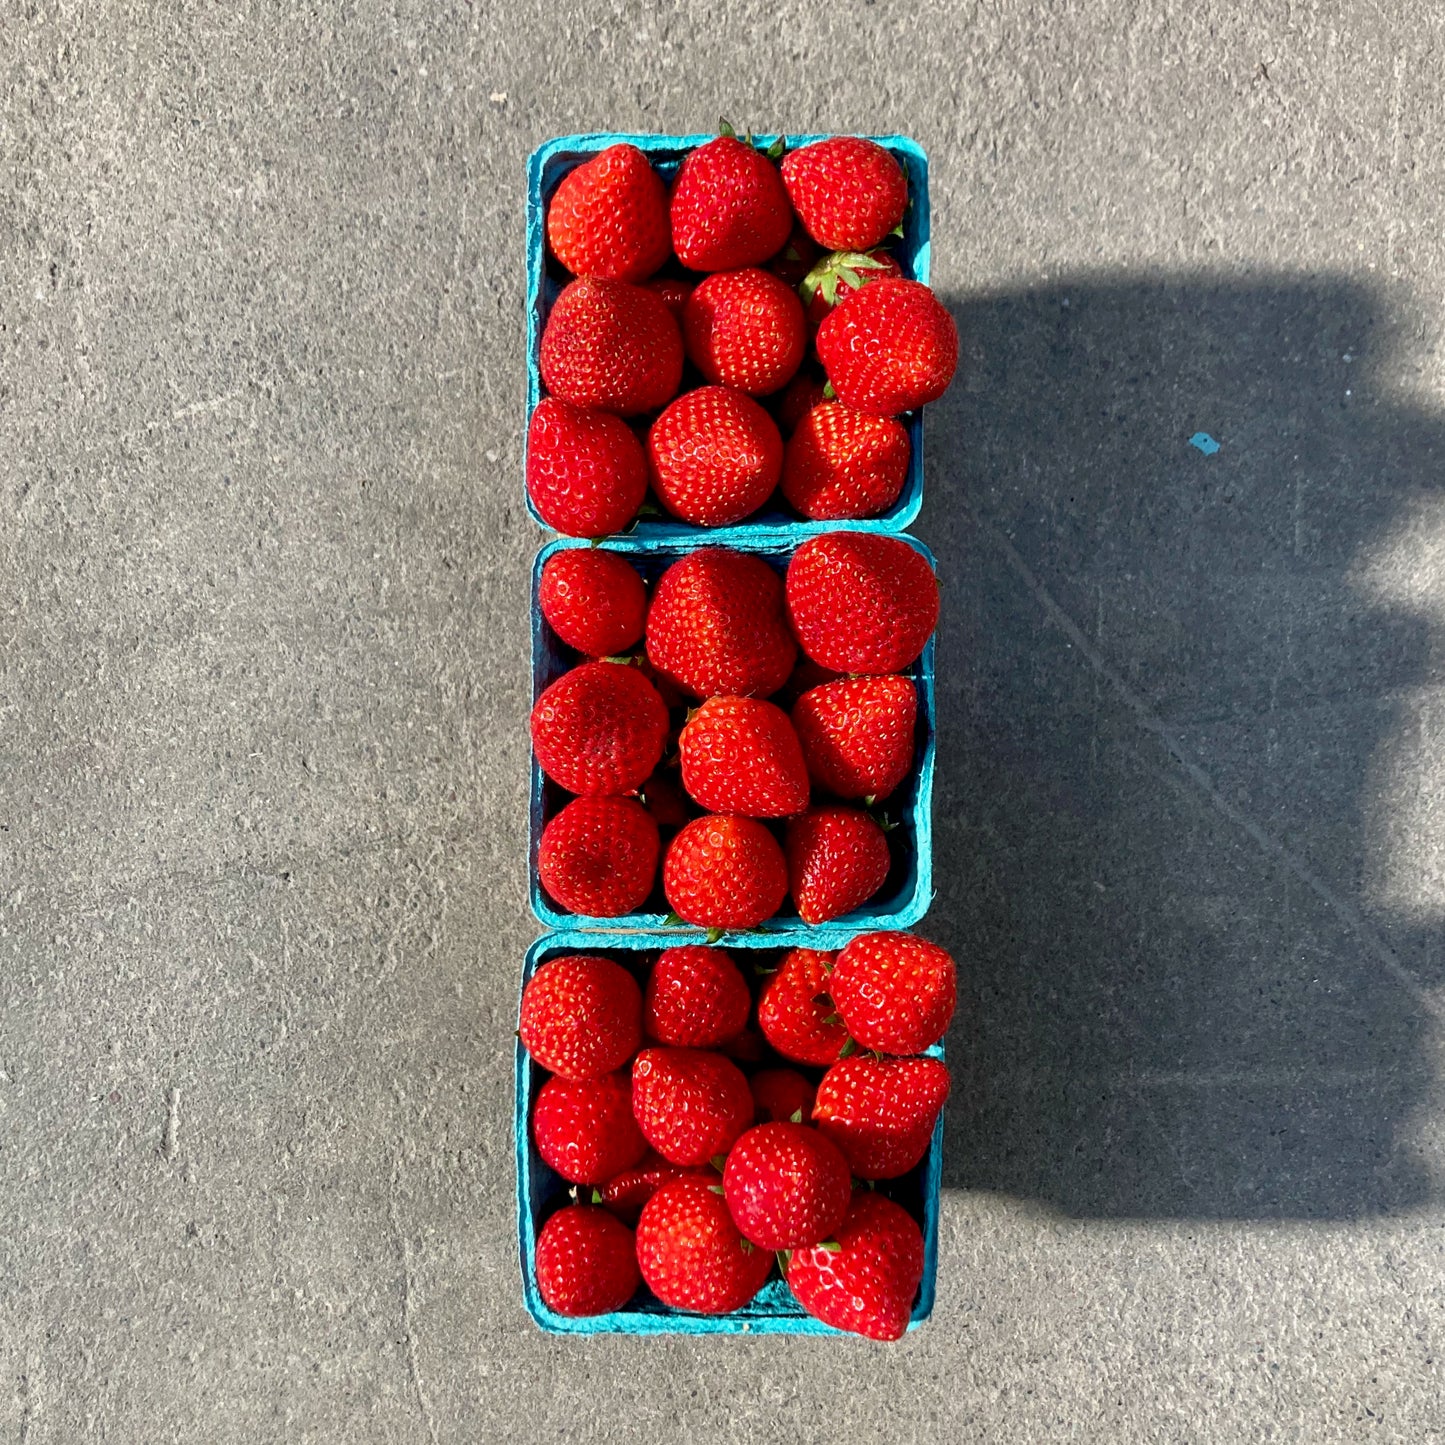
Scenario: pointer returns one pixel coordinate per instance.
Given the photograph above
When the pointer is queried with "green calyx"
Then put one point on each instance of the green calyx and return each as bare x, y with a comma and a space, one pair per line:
846, 267
796, 1117
725, 127
832, 1246
715, 935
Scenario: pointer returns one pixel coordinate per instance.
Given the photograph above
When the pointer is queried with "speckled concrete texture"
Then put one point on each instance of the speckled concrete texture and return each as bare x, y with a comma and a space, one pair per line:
263, 630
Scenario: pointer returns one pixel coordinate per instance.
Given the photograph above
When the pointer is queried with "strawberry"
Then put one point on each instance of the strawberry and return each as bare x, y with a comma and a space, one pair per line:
782, 1095
796, 258
612, 346
581, 1016
837, 860
690, 1105
896, 993
838, 275
848, 192
741, 755
586, 1262
745, 329
665, 800
889, 347
690, 1252
802, 394
674, 292
861, 602
598, 856
600, 728
841, 464
715, 625
715, 456
881, 1112
625, 1193
608, 217
794, 1010
584, 1128
857, 734
729, 208
865, 1280
586, 470
593, 600
695, 998
724, 872
787, 1187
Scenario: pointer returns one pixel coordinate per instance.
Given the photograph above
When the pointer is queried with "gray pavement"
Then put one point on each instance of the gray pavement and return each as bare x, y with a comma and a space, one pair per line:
263, 627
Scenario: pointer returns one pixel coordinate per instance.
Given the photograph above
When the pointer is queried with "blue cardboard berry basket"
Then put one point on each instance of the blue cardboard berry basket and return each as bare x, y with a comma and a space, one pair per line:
906, 894
546, 167
540, 1192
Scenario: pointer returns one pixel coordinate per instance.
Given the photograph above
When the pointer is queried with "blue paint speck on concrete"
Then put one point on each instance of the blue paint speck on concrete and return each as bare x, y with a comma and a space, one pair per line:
1204, 442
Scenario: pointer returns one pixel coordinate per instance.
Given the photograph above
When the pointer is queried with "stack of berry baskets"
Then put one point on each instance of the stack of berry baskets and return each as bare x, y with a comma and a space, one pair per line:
730, 1076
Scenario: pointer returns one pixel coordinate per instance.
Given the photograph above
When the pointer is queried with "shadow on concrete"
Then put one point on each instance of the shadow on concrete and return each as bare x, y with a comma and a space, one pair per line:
1163, 1019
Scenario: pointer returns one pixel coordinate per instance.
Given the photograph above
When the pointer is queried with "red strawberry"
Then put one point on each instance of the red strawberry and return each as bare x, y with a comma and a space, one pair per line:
584, 1128
745, 329
581, 1016
796, 258
593, 600
691, 1254
625, 1193
665, 800
857, 734
600, 728
841, 464
881, 1112
729, 208
838, 275
889, 347
613, 346
608, 217
861, 602
803, 393
782, 1095
586, 470
598, 856
794, 1009
896, 993
724, 872
837, 860
690, 1105
741, 755
715, 456
716, 626
787, 1187
868, 1283
674, 293
586, 1262
848, 192
695, 998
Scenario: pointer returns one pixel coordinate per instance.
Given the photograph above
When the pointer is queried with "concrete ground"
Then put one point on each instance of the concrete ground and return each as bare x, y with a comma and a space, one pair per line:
263, 683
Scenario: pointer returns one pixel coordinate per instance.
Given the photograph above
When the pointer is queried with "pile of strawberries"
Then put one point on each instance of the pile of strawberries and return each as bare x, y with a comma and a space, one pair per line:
722, 633
729, 732
747, 1131
749, 279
